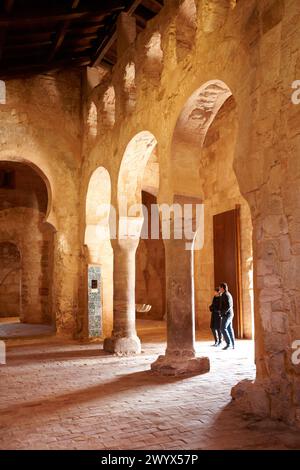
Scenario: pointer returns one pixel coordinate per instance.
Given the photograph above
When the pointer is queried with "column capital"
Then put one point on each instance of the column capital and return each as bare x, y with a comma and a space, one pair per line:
129, 231
182, 220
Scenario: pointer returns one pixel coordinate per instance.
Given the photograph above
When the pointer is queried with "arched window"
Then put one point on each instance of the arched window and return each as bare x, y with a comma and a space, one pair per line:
2, 92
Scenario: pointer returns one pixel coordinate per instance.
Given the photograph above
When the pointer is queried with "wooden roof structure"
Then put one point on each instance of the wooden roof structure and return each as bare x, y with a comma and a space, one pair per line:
37, 36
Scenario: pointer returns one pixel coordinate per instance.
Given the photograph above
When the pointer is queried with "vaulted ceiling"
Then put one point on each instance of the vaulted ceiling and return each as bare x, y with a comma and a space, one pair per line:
41, 35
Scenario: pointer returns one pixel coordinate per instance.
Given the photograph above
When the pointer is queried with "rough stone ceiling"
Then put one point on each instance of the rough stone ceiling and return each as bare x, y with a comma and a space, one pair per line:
38, 36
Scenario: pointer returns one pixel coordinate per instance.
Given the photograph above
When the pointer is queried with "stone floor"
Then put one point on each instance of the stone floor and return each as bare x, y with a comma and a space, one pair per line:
12, 328
56, 395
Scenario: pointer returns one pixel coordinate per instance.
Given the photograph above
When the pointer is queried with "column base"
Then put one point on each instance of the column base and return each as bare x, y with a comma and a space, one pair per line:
125, 346
267, 399
251, 398
178, 365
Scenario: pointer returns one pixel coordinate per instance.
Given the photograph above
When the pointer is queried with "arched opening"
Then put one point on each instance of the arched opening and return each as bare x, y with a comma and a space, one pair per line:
150, 288
109, 107
203, 150
99, 255
138, 184
27, 244
223, 201
92, 120
134, 162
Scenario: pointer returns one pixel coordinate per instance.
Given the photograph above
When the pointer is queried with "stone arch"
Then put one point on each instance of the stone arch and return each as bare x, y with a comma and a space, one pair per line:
133, 165
186, 28
200, 110
49, 216
98, 248
190, 130
124, 339
204, 134
24, 207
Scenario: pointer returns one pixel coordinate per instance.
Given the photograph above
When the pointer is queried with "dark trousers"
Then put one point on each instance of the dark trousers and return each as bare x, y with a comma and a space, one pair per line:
217, 334
227, 329
215, 326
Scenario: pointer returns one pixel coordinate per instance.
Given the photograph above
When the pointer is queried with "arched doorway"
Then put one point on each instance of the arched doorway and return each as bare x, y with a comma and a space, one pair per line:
204, 140
27, 240
137, 154
202, 175
99, 255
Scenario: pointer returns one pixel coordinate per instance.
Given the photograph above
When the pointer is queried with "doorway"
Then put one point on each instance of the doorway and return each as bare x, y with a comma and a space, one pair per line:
227, 260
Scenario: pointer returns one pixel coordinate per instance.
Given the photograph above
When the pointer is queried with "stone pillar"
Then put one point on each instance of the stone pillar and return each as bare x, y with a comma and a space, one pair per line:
180, 357
124, 339
126, 32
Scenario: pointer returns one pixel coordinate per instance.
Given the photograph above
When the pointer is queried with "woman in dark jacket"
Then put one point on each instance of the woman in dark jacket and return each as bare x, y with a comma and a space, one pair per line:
215, 322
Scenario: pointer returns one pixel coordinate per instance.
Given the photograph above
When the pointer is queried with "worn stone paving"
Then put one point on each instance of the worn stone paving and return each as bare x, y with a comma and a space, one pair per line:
65, 395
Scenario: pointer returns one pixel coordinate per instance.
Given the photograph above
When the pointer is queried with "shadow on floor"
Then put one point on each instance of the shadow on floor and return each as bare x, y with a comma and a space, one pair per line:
97, 392
91, 351
233, 430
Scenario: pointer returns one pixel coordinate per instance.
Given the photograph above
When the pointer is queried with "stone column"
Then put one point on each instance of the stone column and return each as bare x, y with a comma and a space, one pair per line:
124, 339
180, 357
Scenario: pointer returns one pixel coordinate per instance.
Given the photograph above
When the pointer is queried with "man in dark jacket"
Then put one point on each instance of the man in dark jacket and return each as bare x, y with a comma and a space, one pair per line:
227, 315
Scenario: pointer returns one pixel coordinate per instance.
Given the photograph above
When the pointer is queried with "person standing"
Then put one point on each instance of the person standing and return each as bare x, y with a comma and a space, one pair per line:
215, 321
227, 315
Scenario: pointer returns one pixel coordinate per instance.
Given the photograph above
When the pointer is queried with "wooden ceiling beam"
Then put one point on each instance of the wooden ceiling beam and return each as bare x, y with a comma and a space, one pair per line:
61, 33
107, 43
134, 5
18, 21
85, 29
30, 38
26, 45
75, 4
141, 21
8, 6
81, 40
60, 36
156, 5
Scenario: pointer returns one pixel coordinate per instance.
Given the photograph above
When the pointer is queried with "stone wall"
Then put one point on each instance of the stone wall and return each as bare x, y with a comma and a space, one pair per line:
40, 125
